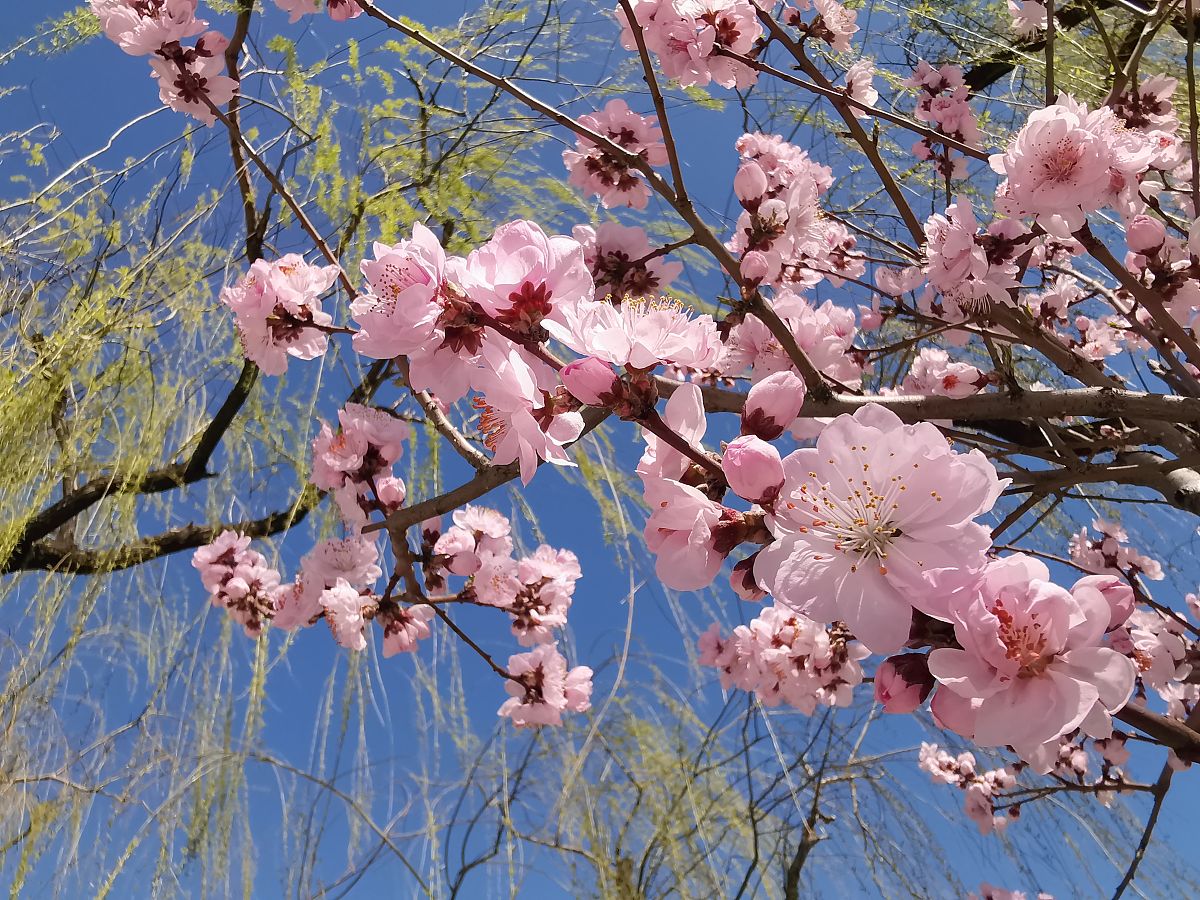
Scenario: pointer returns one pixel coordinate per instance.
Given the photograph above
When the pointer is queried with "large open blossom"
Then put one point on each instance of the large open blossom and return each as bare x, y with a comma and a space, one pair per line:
141, 27
869, 518
643, 333
1068, 161
1032, 666
400, 314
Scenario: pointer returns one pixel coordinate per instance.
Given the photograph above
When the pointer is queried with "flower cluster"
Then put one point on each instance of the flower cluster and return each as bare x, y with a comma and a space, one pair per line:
239, 580
1067, 161
942, 102
833, 23
784, 657
782, 237
190, 79
981, 788
622, 263
596, 170
691, 37
1111, 553
339, 10
355, 462
968, 270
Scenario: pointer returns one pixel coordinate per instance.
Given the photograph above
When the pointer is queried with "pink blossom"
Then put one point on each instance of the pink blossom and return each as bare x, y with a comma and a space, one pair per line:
679, 533
298, 9
643, 334
825, 333
404, 627
1145, 234
519, 417
522, 276
860, 85
1110, 553
276, 306
753, 469
870, 517
1065, 163
239, 580
1029, 17
541, 689
784, 657
619, 258
980, 788
933, 372
834, 25
594, 170
354, 560
367, 445
969, 270
343, 607
342, 10
401, 312
142, 27
547, 580
684, 414
1032, 659
773, 404
685, 33
1116, 592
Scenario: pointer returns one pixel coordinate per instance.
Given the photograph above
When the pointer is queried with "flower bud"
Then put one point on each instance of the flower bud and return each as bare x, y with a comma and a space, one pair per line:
588, 379
755, 266
753, 469
1145, 234
772, 405
750, 183
743, 581
1116, 593
903, 682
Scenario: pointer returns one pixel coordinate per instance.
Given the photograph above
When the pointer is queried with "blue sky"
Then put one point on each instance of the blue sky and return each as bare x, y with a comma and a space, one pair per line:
60, 93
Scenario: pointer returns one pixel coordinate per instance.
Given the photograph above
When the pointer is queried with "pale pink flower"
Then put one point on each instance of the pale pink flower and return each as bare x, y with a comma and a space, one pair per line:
619, 259
968, 269
860, 78
522, 276
354, 560
685, 33
596, 171
933, 372
519, 417
1032, 659
684, 414
343, 607
543, 689
835, 25
142, 27
367, 445
276, 306
1116, 592
643, 334
679, 532
404, 627
1111, 553
1065, 163
784, 657
1028, 17
239, 580
590, 381
341, 10
547, 579
825, 333
400, 314
297, 9
903, 682
870, 517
